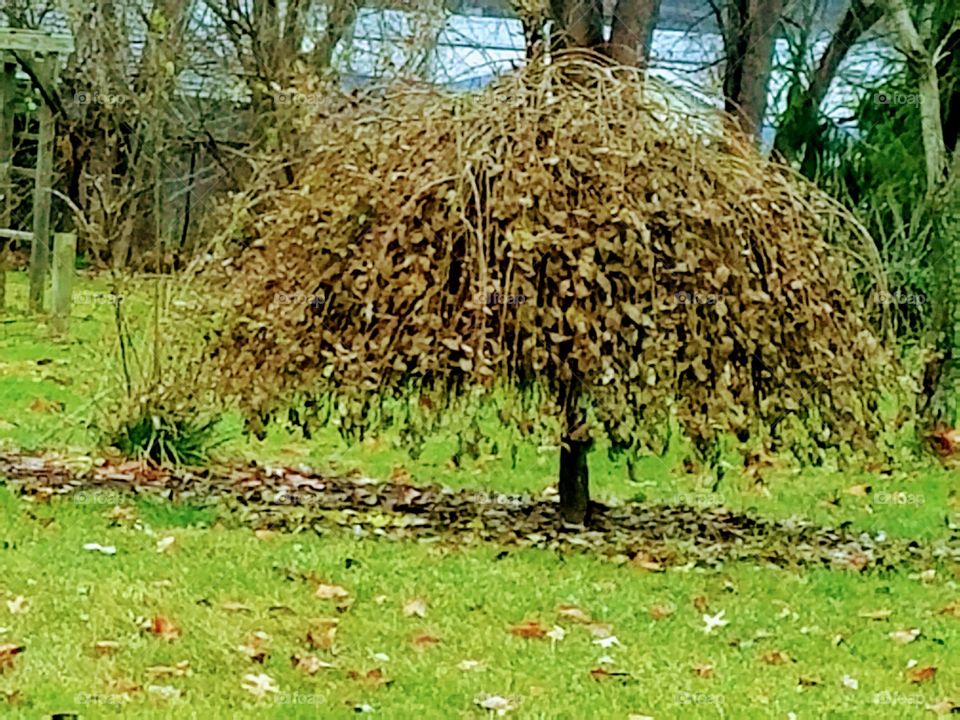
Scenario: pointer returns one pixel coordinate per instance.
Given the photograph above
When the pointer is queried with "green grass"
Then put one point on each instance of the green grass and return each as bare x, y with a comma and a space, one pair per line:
75, 598
51, 391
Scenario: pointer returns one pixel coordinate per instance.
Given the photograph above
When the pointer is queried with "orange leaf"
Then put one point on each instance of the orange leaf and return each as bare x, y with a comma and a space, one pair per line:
920, 675
424, 641
164, 628
529, 629
7, 653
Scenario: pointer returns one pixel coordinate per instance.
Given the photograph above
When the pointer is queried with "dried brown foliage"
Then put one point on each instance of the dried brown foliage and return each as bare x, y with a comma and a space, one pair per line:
564, 226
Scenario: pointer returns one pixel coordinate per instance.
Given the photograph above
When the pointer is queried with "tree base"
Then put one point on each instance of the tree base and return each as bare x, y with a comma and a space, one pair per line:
574, 482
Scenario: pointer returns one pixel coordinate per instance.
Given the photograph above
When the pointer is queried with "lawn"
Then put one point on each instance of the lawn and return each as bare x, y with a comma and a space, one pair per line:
206, 624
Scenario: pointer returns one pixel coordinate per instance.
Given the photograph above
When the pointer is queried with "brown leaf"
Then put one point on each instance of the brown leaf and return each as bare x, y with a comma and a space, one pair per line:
776, 657
372, 678
952, 610
659, 611
322, 633
164, 628
257, 647
859, 490
703, 670
701, 603
8, 652
424, 641
529, 629
601, 673
921, 675
881, 614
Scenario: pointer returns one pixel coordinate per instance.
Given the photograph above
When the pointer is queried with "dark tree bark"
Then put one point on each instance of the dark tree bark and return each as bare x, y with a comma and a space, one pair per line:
750, 33
631, 37
574, 482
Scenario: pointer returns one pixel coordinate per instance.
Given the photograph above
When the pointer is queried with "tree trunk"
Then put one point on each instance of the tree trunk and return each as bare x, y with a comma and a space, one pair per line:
574, 482
579, 23
632, 35
750, 38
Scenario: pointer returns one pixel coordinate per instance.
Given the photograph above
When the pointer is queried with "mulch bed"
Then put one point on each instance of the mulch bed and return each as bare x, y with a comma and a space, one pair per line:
648, 536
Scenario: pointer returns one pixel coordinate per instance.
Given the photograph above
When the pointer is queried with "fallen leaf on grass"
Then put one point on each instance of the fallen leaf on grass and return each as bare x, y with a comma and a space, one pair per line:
424, 641
17, 605
607, 642
776, 657
164, 544
498, 704
660, 611
103, 549
902, 637
714, 621
859, 490
600, 630
850, 682
105, 647
952, 610
921, 675
331, 592
471, 666
557, 633
529, 629
372, 678
322, 633
259, 684
164, 628
882, 614
808, 681
944, 707
573, 614
310, 664
181, 669
601, 673
7, 653
416, 607
701, 603
704, 671
257, 647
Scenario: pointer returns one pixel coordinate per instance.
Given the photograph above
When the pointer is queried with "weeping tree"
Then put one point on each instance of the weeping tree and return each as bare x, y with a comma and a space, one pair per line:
583, 256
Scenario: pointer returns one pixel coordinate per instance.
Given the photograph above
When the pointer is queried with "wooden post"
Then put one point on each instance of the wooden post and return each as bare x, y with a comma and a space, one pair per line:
40, 250
8, 88
64, 264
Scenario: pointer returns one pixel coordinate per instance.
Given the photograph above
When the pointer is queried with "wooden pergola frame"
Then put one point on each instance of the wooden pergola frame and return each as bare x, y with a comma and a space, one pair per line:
40, 55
